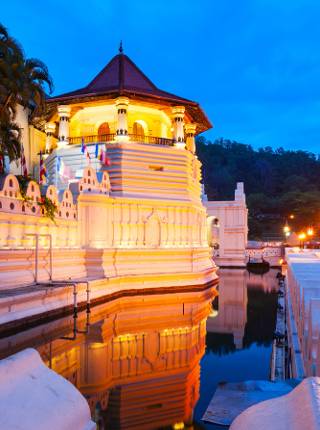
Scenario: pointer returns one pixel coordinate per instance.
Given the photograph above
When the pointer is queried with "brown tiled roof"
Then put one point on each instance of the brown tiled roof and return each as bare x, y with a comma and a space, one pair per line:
122, 77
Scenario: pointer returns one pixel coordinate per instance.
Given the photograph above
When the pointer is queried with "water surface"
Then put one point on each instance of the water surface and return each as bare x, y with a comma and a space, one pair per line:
154, 361
239, 333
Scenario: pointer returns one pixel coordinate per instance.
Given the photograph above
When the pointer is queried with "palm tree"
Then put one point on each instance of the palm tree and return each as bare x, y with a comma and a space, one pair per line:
22, 81
11, 55
10, 136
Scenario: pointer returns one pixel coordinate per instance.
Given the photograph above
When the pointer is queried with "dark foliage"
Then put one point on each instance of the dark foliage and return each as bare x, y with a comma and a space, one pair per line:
277, 183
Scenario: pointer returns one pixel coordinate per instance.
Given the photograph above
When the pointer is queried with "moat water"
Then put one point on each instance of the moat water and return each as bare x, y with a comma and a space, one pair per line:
139, 360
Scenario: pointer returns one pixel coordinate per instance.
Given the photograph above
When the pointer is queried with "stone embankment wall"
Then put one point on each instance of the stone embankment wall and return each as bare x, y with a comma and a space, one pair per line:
303, 284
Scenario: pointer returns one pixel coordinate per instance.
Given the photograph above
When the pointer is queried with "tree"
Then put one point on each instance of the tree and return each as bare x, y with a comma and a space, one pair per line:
22, 81
277, 183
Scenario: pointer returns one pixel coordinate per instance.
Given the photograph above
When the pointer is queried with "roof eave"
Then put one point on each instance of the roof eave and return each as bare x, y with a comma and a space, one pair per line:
170, 99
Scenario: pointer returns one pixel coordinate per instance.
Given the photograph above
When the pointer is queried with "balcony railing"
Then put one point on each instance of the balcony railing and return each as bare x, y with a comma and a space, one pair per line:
151, 139
92, 139
111, 138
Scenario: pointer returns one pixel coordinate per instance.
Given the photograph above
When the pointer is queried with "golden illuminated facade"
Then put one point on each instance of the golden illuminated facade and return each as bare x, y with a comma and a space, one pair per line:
136, 359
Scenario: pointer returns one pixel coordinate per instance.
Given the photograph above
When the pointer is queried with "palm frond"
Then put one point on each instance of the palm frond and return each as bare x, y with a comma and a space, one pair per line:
22, 81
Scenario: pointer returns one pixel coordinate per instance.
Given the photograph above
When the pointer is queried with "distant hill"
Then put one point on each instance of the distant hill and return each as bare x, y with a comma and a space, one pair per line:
277, 183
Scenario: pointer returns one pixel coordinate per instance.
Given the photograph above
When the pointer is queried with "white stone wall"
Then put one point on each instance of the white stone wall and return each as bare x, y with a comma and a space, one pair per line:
99, 235
303, 282
231, 228
137, 171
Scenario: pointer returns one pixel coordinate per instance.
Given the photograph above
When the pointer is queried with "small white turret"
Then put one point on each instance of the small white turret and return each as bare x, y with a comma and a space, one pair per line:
239, 194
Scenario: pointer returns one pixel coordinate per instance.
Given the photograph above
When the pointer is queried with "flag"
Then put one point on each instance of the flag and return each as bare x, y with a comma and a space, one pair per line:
24, 170
63, 170
42, 170
97, 150
84, 150
101, 154
106, 159
103, 158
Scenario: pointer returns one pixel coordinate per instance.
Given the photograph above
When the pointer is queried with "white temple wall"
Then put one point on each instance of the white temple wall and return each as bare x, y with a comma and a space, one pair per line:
114, 222
100, 236
137, 171
231, 230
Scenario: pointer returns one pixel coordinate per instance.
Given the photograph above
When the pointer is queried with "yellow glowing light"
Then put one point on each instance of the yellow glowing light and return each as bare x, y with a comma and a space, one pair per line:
286, 228
178, 426
302, 236
310, 231
281, 261
291, 216
214, 313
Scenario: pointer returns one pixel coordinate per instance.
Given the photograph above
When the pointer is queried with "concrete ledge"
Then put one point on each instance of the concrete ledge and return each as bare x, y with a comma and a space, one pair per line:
35, 397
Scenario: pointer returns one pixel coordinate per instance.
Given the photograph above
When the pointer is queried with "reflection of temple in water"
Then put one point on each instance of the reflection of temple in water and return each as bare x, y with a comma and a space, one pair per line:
231, 316
138, 363
262, 282
240, 291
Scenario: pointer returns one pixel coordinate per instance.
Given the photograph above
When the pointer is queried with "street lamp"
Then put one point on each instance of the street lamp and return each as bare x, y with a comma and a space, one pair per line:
302, 236
286, 230
310, 231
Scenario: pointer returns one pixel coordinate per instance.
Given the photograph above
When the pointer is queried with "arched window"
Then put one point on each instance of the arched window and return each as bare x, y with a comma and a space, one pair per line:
138, 130
103, 132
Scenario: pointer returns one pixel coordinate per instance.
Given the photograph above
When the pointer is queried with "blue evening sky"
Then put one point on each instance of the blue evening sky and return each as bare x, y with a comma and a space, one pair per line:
254, 65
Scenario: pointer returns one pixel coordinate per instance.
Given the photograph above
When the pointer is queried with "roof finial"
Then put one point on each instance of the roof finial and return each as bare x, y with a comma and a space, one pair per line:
120, 47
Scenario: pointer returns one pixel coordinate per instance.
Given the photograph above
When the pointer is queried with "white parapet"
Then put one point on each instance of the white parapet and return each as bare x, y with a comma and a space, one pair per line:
300, 409
303, 291
227, 224
34, 397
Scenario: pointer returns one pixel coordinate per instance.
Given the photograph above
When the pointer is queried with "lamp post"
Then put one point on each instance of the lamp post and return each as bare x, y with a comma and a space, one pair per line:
302, 237
286, 230
310, 232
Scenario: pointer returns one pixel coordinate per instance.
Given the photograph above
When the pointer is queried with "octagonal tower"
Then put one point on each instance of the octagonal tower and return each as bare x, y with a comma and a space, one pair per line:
148, 134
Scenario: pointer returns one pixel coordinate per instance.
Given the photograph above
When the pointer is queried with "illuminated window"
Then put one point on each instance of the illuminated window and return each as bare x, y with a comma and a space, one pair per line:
103, 131
138, 130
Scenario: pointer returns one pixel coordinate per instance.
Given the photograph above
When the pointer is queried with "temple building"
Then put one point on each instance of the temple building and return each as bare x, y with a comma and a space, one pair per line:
124, 177
149, 134
119, 107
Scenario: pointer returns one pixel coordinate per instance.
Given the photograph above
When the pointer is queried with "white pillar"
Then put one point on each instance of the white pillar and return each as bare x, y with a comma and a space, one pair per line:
178, 132
50, 128
239, 194
122, 123
64, 115
190, 130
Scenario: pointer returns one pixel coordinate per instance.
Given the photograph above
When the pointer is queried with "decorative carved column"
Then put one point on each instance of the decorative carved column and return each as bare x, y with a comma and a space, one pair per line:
64, 116
122, 123
50, 128
190, 130
178, 132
